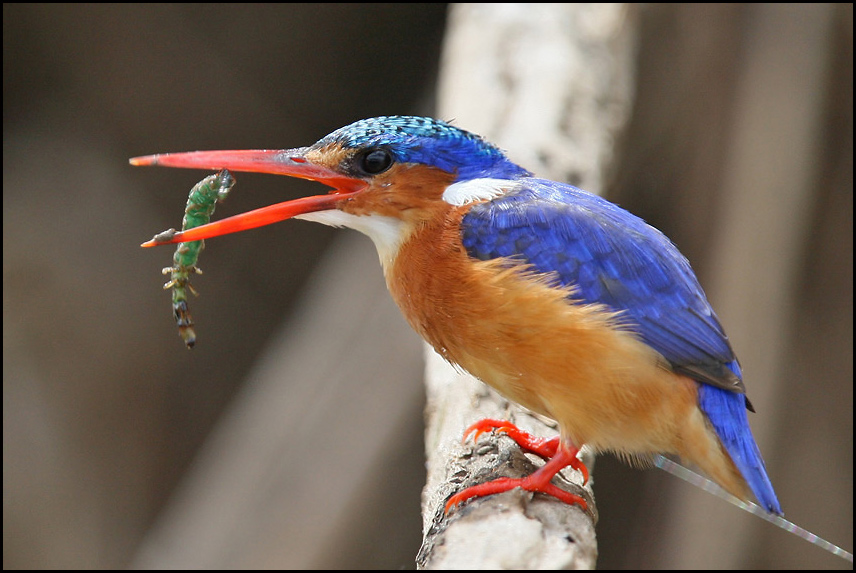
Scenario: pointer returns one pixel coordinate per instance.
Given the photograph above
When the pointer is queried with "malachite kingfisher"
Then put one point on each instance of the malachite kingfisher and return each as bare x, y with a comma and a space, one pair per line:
562, 301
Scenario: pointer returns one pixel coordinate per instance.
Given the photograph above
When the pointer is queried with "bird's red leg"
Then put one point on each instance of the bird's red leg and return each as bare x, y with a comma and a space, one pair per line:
559, 456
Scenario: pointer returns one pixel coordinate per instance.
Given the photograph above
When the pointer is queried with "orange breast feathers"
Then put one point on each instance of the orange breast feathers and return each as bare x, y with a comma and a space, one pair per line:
571, 362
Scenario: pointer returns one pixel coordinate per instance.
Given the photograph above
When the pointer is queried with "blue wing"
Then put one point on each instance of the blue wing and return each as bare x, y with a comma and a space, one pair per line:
614, 258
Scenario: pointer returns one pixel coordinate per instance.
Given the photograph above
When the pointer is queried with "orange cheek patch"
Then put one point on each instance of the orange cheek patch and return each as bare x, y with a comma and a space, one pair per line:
413, 193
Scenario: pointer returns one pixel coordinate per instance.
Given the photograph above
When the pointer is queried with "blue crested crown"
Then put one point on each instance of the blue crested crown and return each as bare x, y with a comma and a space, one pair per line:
429, 141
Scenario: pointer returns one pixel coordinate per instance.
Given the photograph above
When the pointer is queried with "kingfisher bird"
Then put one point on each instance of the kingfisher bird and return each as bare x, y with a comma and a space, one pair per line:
559, 299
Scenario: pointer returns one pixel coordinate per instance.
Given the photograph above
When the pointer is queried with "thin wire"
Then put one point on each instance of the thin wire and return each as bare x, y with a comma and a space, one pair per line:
702, 482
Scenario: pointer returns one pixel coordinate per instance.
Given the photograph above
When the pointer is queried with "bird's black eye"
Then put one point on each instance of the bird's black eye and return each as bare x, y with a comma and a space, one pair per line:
375, 161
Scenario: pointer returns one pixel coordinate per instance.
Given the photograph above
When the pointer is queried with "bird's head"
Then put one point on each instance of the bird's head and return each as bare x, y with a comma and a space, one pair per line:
388, 174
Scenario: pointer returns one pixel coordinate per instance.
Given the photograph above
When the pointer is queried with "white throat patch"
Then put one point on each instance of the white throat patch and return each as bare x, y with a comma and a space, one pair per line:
464, 192
387, 233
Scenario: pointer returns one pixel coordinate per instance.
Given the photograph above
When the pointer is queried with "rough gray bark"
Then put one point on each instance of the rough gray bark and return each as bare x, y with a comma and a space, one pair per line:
551, 84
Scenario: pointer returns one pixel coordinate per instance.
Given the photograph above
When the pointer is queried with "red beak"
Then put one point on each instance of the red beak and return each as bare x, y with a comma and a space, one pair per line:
291, 162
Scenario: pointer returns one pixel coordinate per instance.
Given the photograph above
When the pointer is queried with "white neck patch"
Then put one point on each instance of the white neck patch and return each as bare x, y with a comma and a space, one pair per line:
464, 192
387, 233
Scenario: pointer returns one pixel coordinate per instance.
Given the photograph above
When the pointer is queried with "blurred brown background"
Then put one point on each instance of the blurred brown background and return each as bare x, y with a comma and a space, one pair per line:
122, 449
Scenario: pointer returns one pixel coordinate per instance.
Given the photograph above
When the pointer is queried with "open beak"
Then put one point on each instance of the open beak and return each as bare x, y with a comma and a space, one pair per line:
291, 162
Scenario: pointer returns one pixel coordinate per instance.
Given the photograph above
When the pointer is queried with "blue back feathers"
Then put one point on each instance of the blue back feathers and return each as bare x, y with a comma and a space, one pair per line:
430, 142
611, 257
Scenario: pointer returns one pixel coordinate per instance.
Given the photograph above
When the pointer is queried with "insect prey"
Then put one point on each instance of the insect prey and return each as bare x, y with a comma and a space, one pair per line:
201, 201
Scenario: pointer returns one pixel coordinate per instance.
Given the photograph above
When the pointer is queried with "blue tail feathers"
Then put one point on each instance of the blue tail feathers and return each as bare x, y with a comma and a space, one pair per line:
727, 413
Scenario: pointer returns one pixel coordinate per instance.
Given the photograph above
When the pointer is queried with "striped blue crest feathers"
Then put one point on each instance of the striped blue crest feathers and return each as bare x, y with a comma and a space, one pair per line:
431, 142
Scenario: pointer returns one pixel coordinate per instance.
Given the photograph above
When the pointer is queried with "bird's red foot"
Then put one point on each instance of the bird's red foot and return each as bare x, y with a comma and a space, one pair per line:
559, 456
544, 447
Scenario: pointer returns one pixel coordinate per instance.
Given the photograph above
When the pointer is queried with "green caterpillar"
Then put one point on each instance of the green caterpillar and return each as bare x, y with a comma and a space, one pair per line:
201, 201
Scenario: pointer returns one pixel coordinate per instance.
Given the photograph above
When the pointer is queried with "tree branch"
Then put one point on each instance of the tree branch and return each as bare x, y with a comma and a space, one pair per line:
552, 85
